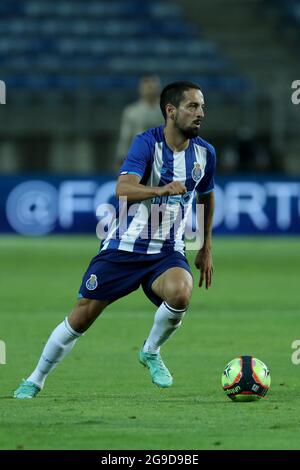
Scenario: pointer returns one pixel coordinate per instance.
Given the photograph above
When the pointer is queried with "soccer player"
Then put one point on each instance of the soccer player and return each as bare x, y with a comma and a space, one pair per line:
168, 164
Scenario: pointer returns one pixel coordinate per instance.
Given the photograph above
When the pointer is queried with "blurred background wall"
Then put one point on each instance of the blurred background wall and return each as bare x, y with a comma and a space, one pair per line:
73, 67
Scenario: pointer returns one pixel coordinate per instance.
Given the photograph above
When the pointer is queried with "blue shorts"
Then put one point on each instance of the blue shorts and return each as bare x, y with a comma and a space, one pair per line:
112, 274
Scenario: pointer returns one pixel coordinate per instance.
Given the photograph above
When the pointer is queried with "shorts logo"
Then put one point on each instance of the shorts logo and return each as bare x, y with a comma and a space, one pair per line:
92, 282
196, 172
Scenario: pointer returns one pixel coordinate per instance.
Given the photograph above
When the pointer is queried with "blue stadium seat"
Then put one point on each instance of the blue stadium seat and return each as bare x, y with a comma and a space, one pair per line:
290, 10
101, 45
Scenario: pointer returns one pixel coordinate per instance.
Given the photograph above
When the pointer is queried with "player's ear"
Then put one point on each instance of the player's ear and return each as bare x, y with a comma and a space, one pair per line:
170, 110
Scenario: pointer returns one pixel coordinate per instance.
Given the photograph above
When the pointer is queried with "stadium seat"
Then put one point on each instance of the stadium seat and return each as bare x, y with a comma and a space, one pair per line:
71, 44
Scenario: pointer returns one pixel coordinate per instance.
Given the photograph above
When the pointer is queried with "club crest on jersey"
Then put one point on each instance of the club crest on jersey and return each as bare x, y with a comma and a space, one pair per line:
196, 172
92, 282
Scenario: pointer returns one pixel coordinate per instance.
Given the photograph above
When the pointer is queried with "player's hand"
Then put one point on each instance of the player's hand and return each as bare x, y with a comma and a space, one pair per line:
171, 189
204, 263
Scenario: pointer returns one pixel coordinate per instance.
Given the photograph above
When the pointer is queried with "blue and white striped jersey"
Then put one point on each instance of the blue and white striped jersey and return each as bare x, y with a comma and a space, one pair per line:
156, 164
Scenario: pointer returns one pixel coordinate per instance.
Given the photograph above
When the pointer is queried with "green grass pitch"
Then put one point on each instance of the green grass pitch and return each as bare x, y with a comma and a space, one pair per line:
100, 397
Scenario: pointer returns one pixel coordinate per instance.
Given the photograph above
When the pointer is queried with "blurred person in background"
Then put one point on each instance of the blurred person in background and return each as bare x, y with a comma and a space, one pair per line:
143, 114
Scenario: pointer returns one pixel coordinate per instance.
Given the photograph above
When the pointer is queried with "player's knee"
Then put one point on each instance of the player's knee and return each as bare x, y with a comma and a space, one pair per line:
84, 314
179, 298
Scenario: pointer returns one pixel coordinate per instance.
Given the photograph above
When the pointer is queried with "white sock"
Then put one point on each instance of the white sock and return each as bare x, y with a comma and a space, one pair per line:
166, 321
59, 344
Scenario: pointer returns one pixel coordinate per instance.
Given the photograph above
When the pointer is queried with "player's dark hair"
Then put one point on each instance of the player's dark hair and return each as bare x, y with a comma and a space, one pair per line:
173, 93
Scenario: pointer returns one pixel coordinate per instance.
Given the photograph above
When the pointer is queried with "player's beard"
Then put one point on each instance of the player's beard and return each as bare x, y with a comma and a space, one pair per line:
187, 132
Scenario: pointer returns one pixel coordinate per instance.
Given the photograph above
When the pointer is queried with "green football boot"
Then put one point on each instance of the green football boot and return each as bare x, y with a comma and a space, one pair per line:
26, 389
159, 373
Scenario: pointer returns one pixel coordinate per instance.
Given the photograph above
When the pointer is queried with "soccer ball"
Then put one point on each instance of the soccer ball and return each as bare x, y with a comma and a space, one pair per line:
246, 378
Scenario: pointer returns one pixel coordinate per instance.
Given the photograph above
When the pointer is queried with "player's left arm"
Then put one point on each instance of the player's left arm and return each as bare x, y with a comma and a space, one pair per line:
204, 261
205, 196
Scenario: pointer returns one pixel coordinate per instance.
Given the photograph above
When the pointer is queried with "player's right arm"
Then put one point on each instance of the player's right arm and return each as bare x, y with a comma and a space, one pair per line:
129, 186
133, 169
